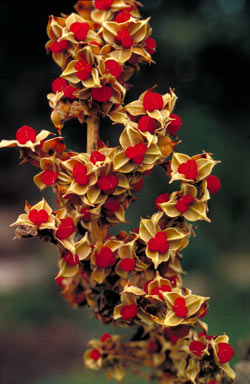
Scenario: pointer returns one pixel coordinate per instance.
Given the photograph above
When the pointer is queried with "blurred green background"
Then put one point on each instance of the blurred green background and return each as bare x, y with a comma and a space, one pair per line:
203, 52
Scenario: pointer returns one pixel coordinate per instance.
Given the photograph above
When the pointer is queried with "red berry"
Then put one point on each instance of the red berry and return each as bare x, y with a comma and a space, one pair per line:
181, 330
137, 186
71, 259
213, 184
127, 41
68, 92
58, 46
84, 69
113, 67
188, 199
59, 281
156, 291
102, 94
105, 336
175, 124
111, 204
105, 258
103, 5
181, 206
66, 228
49, 177
150, 45
147, 124
197, 347
38, 217
86, 216
122, 17
95, 354
163, 247
127, 264
153, 245
79, 174
225, 352
161, 237
107, 183
97, 156
58, 84
136, 153
152, 101
165, 288
80, 30
128, 312
189, 169
179, 307
163, 198
25, 133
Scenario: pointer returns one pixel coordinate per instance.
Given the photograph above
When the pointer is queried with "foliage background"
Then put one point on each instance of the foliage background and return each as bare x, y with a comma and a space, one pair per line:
203, 52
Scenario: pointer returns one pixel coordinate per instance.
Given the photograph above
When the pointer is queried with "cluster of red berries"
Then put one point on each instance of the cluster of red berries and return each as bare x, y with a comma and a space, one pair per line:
132, 278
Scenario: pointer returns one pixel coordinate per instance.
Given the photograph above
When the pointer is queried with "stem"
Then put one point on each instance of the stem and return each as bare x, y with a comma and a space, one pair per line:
92, 145
92, 133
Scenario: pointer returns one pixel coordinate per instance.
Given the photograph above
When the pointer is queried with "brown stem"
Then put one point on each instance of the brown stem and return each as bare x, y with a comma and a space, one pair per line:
92, 145
92, 133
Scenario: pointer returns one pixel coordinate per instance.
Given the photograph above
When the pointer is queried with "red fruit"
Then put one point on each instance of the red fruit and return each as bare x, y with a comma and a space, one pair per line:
84, 69
128, 312
103, 5
181, 330
102, 94
59, 281
122, 17
113, 67
188, 199
127, 264
150, 45
97, 156
127, 41
213, 184
86, 216
163, 247
49, 177
95, 354
175, 124
79, 174
189, 169
71, 259
66, 228
25, 133
105, 258
153, 245
58, 84
80, 30
163, 198
105, 336
225, 352
58, 46
181, 206
161, 237
111, 204
173, 279
137, 186
153, 346
107, 183
152, 101
165, 288
179, 307
197, 347
38, 217
147, 124
68, 92
136, 153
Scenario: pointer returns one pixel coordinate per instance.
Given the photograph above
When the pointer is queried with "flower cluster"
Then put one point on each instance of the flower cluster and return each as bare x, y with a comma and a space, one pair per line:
132, 278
